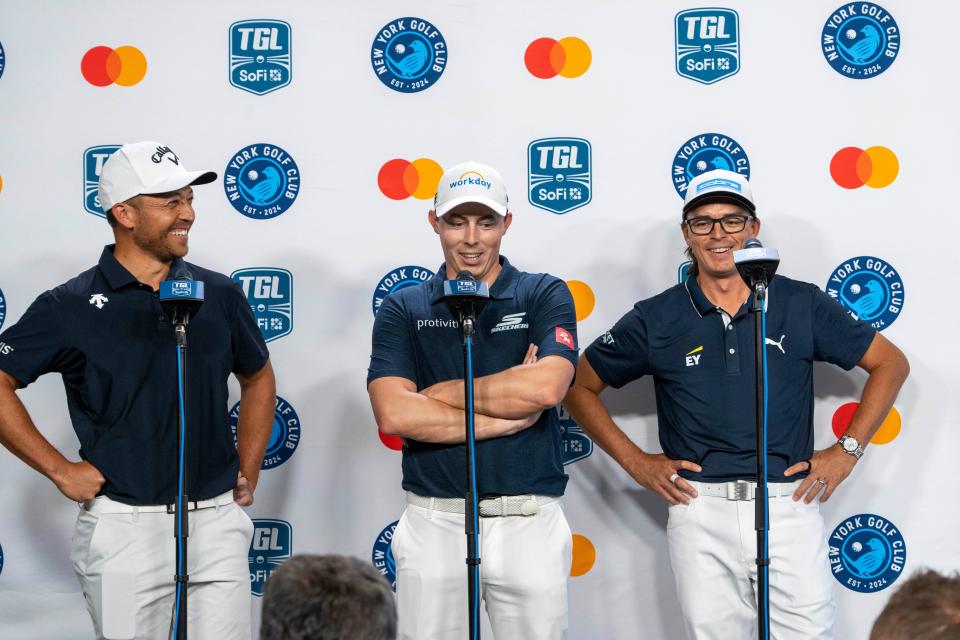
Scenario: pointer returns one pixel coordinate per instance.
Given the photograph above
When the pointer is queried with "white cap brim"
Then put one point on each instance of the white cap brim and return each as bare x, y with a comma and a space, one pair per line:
177, 182
490, 203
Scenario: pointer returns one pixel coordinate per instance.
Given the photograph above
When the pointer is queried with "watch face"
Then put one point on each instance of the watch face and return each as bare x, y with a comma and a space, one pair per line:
849, 444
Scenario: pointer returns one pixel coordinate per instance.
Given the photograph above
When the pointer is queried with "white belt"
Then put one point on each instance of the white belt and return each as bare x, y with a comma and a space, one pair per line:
527, 505
103, 504
743, 489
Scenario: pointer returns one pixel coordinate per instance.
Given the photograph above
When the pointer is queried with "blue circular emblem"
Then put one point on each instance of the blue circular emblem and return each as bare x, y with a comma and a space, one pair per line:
261, 181
408, 55
3, 60
3, 308
860, 40
1, 559
399, 278
382, 555
706, 152
284, 436
867, 553
869, 288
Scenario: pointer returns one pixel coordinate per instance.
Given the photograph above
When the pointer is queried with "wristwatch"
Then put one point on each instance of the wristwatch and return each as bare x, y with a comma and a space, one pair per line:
851, 445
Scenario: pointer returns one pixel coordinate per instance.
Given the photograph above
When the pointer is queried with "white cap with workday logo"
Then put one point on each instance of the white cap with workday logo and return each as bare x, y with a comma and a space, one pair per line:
719, 185
145, 168
471, 182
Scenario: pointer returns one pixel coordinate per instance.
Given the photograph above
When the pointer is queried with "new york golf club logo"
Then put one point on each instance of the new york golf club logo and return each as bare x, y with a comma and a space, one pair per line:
269, 292
408, 55
576, 444
706, 152
3, 60
271, 545
1, 559
559, 174
284, 435
396, 279
869, 288
93, 160
860, 40
260, 55
3, 311
261, 181
708, 44
382, 554
867, 553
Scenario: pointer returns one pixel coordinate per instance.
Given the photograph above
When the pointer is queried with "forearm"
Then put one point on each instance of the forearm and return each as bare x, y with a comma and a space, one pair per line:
879, 394
257, 406
512, 394
591, 415
414, 416
22, 438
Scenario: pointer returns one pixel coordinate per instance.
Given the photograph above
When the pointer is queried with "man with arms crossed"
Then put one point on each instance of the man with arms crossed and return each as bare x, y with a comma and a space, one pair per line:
107, 335
524, 358
696, 340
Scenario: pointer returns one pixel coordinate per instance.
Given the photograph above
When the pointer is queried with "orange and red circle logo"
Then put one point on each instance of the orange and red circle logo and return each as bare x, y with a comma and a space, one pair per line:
876, 167
102, 66
569, 57
400, 179
887, 432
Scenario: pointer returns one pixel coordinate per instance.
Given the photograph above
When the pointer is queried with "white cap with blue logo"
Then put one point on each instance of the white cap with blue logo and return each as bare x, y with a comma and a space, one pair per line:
471, 182
145, 168
719, 185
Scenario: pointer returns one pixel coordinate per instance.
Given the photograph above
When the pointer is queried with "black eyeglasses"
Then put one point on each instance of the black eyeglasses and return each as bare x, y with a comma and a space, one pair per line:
704, 226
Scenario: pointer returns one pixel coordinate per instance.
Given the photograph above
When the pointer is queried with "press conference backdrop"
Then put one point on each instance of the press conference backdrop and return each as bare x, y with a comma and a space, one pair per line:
330, 124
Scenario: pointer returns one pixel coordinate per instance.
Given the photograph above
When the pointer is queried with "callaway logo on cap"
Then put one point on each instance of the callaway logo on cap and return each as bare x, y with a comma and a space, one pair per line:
719, 185
471, 182
145, 168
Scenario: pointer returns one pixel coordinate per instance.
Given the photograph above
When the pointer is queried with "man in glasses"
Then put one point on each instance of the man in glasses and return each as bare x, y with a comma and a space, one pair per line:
696, 340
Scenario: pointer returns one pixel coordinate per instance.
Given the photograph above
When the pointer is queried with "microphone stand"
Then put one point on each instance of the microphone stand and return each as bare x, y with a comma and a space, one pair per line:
471, 506
761, 498
182, 526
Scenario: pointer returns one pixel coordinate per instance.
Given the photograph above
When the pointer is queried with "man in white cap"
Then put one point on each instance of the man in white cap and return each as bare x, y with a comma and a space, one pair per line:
696, 340
107, 335
524, 352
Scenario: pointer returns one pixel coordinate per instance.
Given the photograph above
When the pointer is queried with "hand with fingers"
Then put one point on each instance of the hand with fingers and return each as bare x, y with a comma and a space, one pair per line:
242, 493
660, 474
79, 481
531, 356
828, 468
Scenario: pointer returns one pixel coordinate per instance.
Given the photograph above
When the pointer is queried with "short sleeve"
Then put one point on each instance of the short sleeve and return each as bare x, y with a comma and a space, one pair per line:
837, 336
553, 321
622, 354
36, 344
247, 345
392, 353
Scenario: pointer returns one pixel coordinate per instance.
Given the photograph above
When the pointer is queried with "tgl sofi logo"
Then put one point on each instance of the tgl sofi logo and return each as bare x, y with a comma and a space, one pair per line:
261, 55
708, 44
269, 292
576, 444
93, 160
559, 174
272, 543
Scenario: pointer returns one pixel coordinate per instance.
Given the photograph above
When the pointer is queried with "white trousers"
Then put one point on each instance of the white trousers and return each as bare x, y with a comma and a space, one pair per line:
126, 565
525, 561
713, 546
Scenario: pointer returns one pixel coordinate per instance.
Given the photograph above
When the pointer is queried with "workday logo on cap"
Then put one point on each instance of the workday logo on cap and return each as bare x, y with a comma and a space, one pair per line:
869, 288
93, 160
708, 44
284, 434
269, 292
408, 55
261, 181
382, 555
261, 56
706, 152
399, 278
867, 553
559, 173
270, 546
860, 40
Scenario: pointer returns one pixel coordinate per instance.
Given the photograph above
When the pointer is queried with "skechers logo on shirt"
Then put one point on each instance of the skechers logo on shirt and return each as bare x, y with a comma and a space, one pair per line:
693, 356
511, 321
434, 322
5, 349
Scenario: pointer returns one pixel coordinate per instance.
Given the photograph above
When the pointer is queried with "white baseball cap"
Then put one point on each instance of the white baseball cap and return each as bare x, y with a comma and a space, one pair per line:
719, 185
471, 182
145, 168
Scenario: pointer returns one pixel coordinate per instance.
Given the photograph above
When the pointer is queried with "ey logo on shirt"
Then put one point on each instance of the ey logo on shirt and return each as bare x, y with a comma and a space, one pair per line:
693, 357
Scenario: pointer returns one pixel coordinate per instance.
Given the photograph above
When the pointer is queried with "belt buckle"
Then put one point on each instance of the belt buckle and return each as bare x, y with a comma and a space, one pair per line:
738, 490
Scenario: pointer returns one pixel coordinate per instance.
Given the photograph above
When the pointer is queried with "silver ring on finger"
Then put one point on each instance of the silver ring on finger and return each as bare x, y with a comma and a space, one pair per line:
821, 482
673, 478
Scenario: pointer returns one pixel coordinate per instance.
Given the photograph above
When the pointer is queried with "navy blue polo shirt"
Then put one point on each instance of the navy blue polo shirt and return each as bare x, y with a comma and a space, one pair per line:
704, 374
416, 336
106, 334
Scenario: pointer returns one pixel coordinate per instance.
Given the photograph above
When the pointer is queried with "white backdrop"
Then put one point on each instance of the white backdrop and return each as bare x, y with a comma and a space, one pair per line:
787, 107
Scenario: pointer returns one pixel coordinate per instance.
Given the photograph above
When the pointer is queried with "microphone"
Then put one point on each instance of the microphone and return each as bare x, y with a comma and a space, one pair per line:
756, 264
180, 298
466, 296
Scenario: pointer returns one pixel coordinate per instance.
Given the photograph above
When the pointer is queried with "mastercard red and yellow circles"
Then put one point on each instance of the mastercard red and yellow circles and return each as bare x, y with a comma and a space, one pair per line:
568, 57
887, 432
102, 66
853, 167
584, 555
583, 298
400, 179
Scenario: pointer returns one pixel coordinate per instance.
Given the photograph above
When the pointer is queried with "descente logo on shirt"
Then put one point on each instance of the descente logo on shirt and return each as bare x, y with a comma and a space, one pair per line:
511, 321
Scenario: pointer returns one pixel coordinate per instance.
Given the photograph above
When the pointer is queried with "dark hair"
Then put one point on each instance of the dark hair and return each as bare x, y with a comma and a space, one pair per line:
313, 597
925, 607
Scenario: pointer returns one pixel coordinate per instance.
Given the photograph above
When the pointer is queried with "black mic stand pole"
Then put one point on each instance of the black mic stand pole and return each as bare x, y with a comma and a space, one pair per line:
182, 526
471, 507
761, 498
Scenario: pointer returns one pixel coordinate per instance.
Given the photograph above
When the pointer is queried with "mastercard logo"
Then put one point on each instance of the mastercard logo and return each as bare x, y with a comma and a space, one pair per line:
390, 442
876, 167
102, 66
400, 179
584, 555
886, 433
568, 57
583, 298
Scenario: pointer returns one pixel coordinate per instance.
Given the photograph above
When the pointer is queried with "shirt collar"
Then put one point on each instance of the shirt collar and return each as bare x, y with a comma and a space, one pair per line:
702, 306
117, 275
503, 287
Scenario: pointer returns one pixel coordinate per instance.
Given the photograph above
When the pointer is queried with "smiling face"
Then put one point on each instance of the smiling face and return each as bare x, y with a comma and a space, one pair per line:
158, 225
713, 252
470, 236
